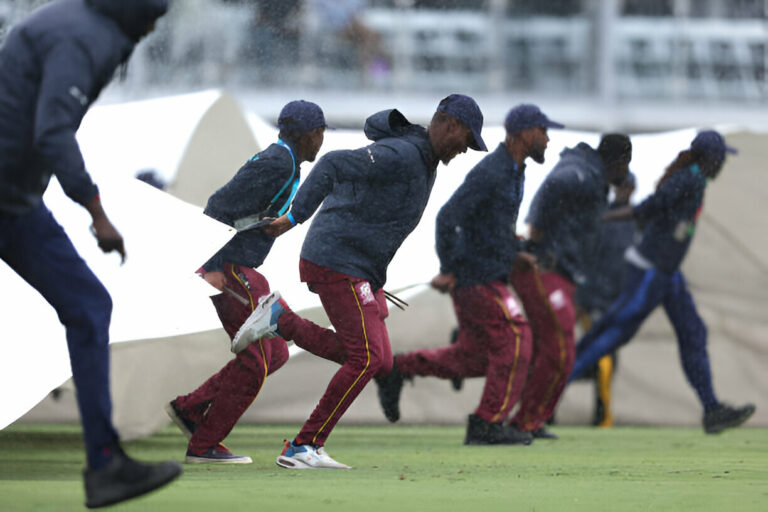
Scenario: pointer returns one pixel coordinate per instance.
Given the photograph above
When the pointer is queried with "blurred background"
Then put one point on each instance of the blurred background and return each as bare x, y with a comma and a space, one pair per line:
635, 65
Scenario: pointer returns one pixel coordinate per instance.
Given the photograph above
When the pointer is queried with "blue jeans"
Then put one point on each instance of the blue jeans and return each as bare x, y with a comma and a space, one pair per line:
36, 247
644, 290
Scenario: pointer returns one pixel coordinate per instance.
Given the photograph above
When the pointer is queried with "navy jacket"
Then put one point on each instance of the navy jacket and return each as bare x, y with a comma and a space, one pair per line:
261, 188
476, 235
669, 218
605, 272
372, 198
53, 65
567, 209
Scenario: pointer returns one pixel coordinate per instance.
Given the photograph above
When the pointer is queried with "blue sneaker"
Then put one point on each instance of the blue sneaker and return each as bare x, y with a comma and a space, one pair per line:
306, 456
262, 323
219, 454
186, 425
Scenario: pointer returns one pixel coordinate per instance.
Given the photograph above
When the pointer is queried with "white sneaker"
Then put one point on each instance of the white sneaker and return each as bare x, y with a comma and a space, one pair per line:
262, 322
306, 456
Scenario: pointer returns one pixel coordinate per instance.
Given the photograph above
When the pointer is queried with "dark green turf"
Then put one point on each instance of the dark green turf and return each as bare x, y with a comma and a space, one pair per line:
402, 468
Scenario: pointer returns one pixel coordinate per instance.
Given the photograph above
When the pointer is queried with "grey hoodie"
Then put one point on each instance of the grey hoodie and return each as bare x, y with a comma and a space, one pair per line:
567, 209
372, 198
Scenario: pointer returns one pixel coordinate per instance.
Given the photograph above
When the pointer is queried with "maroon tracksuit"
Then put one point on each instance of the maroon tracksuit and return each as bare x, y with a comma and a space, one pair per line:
360, 343
218, 404
494, 341
548, 302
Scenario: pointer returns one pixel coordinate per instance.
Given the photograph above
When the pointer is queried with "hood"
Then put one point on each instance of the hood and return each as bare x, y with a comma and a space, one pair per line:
133, 16
387, 123
584, 160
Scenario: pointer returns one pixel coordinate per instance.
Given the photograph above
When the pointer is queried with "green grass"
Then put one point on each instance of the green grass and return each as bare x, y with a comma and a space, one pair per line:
406, 468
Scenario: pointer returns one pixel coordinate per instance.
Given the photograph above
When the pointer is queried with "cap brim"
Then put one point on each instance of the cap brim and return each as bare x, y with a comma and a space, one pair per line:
731, 150
553, 124
479, 143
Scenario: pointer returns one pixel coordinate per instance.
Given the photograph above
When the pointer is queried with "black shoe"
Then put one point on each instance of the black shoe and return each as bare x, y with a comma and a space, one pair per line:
542, 433
124, 478
724, 416
390, 386
481, 432
514, 432
186, 425
456, 382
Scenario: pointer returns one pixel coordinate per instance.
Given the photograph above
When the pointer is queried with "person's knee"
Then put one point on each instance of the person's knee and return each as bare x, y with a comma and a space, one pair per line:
383, 365
92, 309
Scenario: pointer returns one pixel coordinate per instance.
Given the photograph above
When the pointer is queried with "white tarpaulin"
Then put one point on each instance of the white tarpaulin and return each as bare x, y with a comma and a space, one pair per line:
156, 293
149, 373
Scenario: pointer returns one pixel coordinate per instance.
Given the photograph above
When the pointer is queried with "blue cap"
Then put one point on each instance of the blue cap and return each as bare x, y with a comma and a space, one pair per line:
526, 116
465, 109
712, 144
300, 115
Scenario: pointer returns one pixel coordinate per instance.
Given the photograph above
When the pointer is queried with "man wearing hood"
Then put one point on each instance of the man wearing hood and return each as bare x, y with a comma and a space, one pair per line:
372, 198
53, 65
564, 218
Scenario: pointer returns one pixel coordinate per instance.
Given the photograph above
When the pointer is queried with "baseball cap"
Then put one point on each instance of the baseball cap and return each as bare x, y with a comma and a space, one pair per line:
465, 109
300, 115
526, 116
711, 143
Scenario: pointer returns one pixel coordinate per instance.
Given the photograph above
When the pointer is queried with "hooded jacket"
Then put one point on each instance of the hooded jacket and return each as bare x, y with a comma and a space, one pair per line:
567, 209
53, 66
372, 198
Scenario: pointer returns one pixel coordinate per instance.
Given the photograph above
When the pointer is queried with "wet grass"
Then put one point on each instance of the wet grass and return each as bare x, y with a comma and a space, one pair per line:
404, 468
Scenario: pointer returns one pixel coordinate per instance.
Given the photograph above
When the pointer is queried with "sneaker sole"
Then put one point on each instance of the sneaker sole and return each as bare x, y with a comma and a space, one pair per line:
177, 420
243, 337
289, 463
191, 459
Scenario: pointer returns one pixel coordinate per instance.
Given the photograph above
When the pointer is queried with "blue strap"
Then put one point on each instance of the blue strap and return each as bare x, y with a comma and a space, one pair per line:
293, 173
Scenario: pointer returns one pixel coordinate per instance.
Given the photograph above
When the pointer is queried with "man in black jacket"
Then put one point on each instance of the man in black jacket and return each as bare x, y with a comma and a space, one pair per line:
53, 65
372, 198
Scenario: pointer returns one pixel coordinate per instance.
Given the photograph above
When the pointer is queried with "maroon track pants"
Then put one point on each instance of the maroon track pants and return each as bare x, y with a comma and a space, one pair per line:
360, 343
494, 341
218, 404
548, 302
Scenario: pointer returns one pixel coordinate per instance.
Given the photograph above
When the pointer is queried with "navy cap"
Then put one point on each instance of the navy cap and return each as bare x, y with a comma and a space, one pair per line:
300, 115
465, 109
526, 116
711, 143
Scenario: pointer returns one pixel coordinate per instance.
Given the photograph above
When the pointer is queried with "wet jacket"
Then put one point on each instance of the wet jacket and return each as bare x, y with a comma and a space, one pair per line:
53, 65
260, 188
669, 218
605, 273
567, 209
476, 235
372, 198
